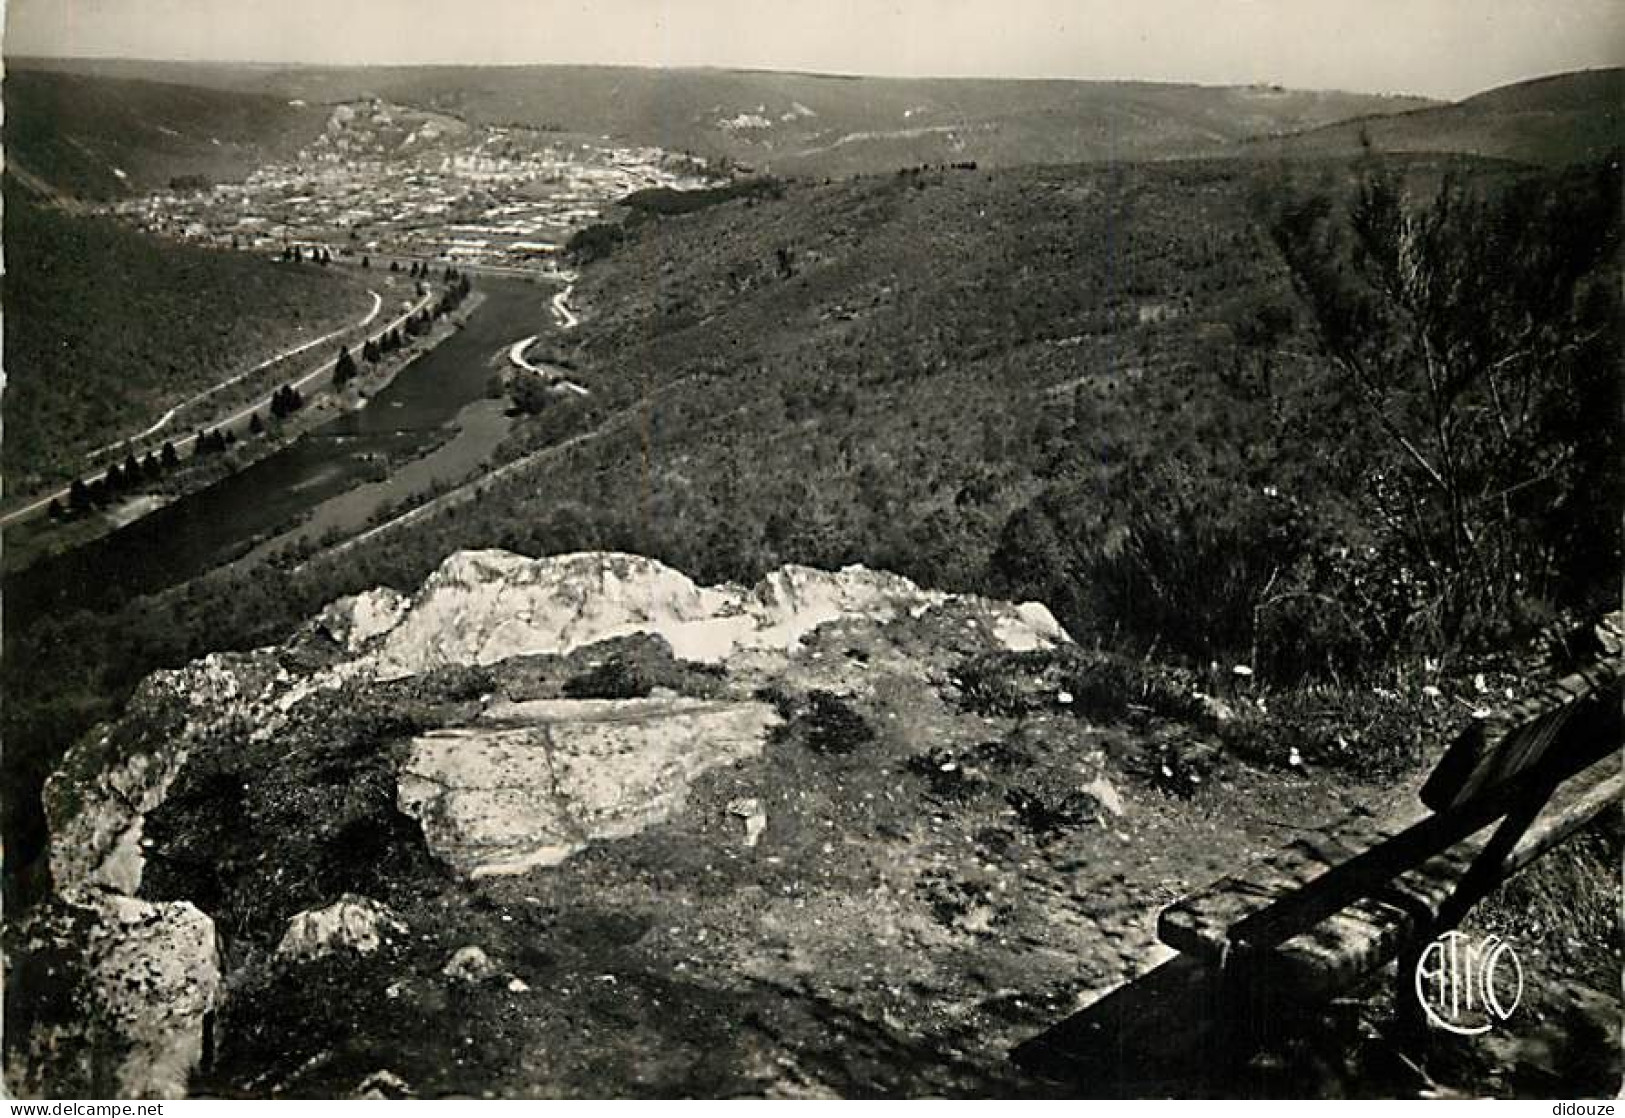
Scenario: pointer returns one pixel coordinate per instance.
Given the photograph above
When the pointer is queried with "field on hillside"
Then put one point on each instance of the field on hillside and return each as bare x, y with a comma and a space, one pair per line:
107, 328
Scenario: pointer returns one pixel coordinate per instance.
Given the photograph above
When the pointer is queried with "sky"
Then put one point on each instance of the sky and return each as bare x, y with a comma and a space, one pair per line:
1439, 48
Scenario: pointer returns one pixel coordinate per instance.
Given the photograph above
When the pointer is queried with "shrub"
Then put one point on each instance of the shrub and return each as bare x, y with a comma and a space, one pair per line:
1047, 818
1096, 685
593, 242
821, 720
944, 774
1366, 732
1198, 556
612, 679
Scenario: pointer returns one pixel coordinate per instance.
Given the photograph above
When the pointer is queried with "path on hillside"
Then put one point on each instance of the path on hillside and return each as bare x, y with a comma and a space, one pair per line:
168, 416
561, 307
516, 356
39, 505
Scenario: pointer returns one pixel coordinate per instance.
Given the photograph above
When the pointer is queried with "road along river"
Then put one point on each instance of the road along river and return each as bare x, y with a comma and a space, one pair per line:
416, 413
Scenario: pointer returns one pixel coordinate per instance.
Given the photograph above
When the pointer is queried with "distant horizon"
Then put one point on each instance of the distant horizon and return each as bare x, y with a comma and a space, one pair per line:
839, 75
1435, 49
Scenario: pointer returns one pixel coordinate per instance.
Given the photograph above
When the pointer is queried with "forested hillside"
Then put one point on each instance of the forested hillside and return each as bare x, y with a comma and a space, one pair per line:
106, 328
105, 137
1111, 390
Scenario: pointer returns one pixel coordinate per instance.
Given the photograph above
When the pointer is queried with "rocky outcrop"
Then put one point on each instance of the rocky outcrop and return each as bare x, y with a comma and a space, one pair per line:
482, 607
140, 980
96, 801
129, 987
530, 783
513, 719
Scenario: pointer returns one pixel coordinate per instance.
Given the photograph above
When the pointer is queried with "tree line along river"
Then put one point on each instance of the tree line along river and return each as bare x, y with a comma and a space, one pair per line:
203, 530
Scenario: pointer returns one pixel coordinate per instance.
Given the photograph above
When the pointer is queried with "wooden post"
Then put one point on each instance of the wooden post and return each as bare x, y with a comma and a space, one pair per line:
1490, 867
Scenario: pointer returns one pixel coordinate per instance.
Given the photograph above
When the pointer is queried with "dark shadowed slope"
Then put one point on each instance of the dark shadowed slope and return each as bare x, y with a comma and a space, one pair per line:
106, 328
99, 138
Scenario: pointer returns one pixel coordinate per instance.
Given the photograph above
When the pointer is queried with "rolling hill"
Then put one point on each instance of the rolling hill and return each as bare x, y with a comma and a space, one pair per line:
95, 129
107, 327
68, 135
985, 381
781, 122
1567, 118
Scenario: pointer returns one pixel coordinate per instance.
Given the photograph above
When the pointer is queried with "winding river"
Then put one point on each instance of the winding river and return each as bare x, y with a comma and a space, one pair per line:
430, 404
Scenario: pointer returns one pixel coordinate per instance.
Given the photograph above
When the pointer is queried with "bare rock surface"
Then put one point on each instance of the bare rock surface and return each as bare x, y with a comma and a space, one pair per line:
355, 620
531, 783
482, 607
831, 834
135, 983
351, 923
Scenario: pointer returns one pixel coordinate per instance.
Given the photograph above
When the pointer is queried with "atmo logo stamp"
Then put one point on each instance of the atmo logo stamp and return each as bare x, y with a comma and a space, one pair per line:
1468, 986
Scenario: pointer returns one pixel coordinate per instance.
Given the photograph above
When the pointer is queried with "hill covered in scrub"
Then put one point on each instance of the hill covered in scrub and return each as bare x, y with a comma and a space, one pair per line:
1106, 388
98, 138
107, 328
1566, 118
786, 123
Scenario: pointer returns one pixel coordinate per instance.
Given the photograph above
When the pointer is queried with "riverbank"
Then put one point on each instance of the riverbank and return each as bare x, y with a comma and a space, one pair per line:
480, 428
275, 491
29, 493
30, 541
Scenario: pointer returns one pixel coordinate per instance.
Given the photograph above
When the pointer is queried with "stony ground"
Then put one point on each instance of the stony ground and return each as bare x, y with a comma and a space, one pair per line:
900, 923
937, 849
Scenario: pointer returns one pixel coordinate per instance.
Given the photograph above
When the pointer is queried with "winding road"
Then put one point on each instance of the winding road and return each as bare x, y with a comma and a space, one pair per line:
41, 504
516, 355
168, 416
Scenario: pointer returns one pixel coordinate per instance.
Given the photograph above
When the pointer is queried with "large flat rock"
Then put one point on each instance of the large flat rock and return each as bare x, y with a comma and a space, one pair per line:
531, 783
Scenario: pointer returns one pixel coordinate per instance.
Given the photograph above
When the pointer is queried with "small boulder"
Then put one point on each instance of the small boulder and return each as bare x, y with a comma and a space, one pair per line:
1105, 794
383, 1084
750, 810
469, 964
1215, 710
351, 923
115, 997
353, 622
1610, 634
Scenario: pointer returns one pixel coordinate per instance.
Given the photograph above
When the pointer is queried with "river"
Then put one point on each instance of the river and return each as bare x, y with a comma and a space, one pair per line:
415, 413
